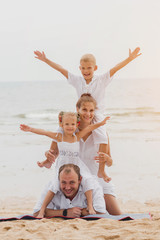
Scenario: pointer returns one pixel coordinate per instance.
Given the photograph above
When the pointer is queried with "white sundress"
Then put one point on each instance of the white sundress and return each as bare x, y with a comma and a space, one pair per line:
69, 154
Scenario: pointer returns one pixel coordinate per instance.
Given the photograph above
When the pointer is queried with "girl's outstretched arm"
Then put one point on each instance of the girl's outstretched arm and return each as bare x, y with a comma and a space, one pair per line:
41, 56
132, 55
90, 128
46, 201
27, 128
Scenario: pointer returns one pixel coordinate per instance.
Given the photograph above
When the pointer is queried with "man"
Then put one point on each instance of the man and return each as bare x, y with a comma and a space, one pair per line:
70, 200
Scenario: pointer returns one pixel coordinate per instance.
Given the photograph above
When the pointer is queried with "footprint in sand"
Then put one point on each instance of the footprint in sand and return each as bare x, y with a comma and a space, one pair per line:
102, 237
7, 228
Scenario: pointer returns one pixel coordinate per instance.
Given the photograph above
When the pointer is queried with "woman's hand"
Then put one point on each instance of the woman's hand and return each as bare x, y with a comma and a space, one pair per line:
50, 156
103, 157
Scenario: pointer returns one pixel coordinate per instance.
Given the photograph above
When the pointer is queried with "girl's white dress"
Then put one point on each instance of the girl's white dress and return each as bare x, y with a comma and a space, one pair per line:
69, 153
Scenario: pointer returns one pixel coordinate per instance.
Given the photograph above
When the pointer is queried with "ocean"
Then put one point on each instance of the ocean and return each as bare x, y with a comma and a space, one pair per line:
134, 130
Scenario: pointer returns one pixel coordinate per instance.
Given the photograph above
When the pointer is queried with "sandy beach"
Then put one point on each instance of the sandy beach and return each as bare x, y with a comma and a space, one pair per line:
24, 181
77, 228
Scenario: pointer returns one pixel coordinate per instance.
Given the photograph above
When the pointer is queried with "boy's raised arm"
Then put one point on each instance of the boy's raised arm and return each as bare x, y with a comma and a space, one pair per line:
132, 55
41, 56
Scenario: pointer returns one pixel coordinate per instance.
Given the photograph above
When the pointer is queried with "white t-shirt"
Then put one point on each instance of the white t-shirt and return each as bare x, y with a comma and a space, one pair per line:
59, 201
96, 87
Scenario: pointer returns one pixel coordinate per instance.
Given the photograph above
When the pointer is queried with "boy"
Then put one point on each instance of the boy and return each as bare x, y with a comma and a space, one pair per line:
95, 85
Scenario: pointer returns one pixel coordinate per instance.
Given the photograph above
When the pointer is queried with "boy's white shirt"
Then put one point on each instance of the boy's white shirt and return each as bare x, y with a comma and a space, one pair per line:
96, 87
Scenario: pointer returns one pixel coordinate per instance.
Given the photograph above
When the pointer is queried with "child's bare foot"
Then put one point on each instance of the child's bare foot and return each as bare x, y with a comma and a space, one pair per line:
104, 176
45, 163
40, 215
91, 210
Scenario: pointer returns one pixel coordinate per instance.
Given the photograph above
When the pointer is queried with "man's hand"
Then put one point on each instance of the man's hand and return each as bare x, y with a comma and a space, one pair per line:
40, 55
74, 212
134, 54
84, 212
40, 215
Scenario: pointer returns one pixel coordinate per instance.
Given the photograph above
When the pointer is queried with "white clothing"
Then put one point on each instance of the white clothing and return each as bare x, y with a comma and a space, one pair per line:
59, 201
97, 89
88, 150
69, 153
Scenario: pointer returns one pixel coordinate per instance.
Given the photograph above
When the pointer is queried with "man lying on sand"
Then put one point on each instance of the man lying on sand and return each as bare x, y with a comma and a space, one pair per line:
70, 199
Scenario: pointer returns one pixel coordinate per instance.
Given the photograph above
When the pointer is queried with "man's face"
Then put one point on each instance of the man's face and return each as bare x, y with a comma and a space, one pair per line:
69, 183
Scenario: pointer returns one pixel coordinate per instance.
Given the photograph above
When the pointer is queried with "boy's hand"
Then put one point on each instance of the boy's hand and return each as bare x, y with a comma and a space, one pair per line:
40, 55
134, 54
25, 128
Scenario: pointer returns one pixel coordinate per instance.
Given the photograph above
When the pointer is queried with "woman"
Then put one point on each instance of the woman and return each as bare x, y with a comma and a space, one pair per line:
89, 146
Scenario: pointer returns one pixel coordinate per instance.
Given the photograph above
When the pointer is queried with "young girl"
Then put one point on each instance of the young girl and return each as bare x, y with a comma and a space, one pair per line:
68, 146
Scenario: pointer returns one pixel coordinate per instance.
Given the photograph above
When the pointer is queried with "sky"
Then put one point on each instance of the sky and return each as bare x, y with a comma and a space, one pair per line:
65, 30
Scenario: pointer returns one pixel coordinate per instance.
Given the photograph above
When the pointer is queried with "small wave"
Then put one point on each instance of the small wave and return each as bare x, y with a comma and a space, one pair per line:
133, 112
45, 115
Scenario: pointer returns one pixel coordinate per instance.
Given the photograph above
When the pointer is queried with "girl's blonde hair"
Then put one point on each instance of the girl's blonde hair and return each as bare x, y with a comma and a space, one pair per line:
62, 114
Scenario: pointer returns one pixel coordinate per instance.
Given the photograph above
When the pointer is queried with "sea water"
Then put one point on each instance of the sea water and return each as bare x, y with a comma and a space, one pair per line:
134, 130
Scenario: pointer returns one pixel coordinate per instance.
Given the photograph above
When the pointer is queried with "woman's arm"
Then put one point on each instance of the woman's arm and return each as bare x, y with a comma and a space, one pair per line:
90, 128
27, 128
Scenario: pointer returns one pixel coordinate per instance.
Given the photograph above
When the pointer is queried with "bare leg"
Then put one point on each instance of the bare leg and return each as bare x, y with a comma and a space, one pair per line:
112, 205
101, 171
48, 162
89, 197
